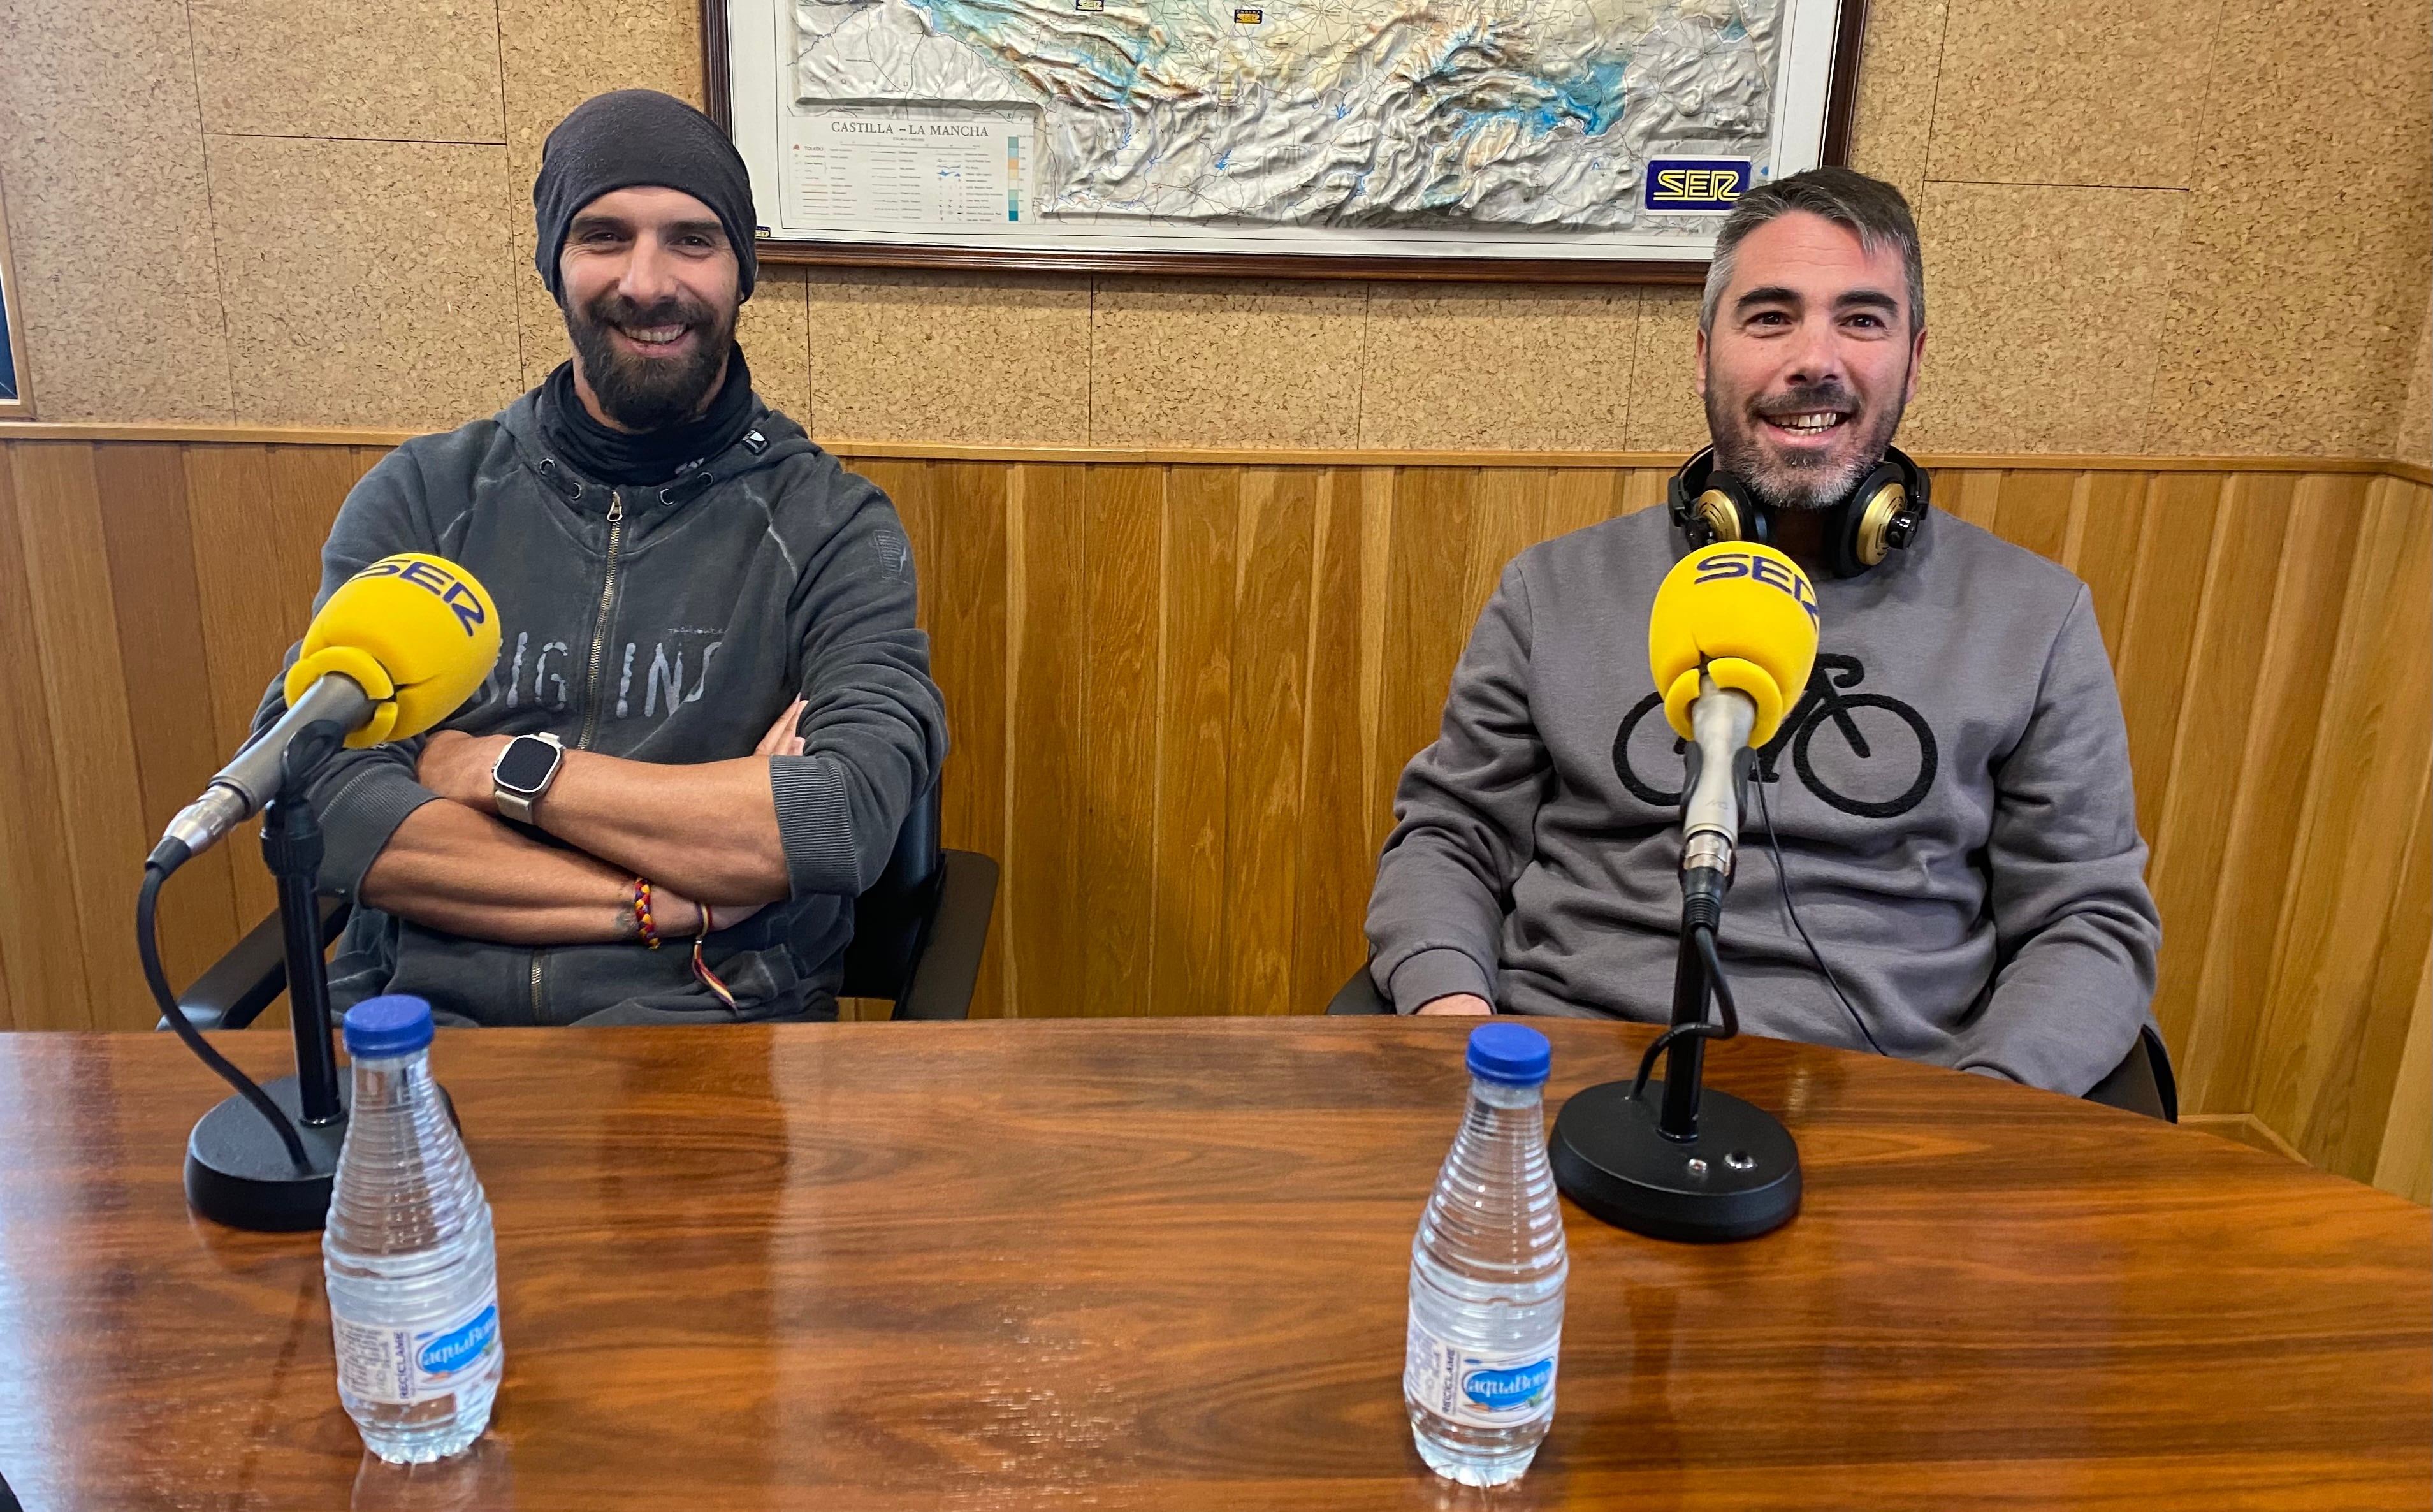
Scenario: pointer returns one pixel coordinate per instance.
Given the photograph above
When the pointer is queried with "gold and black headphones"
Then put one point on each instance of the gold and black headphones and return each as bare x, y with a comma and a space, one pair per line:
1880, 517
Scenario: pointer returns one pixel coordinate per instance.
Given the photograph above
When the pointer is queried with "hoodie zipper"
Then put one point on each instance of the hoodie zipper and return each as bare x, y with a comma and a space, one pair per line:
591, 687
600, 631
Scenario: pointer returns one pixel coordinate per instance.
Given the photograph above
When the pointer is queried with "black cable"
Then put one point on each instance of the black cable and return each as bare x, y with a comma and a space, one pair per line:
1783, 880
1703, 939
1663, 1043
147, 946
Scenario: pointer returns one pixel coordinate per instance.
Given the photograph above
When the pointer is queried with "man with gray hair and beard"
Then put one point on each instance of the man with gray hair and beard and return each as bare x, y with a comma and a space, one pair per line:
711, 711
1941, 858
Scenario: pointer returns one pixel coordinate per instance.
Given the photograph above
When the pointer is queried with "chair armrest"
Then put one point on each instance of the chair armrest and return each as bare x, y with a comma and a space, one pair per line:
2142, 1083
239, 985
949, 967
2166, 1085
1358, 996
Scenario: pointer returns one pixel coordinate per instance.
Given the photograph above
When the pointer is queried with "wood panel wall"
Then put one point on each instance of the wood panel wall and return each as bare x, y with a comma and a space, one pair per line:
1182, 689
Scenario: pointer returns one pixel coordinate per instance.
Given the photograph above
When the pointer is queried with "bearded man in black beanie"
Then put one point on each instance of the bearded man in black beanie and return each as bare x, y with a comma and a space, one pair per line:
644, 214
711, 711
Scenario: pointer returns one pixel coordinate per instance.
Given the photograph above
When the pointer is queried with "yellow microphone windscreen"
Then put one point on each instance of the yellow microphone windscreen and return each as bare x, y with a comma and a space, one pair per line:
1745, 614
417, 630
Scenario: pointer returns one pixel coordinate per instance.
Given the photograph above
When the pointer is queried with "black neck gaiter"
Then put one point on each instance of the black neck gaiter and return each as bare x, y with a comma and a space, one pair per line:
622, 457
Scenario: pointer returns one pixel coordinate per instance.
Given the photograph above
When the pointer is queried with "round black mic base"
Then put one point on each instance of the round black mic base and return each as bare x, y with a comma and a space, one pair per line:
1738, 1177
238, 1171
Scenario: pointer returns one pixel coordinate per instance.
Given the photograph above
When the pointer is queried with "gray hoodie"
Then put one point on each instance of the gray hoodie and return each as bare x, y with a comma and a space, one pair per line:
675, 634
1973, 879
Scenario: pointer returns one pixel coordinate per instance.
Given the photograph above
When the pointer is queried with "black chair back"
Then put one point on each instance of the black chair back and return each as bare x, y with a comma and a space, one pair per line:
892, 917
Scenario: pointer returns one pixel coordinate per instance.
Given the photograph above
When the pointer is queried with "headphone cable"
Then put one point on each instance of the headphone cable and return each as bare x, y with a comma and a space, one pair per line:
1783, 880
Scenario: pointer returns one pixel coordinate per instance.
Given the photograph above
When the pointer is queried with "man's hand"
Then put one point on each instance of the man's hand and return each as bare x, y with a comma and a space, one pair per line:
456, 766
781, 739
1460, 1005
677, 917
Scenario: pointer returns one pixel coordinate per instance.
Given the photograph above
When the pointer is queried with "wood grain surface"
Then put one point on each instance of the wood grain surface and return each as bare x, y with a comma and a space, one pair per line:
1162, 1264
1181, 691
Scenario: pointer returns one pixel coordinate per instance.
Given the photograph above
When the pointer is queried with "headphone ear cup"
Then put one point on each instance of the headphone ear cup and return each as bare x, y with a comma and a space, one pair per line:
1920, 484
1708, 504
1677, 505
1720, 514
1724, 511
1876, 521
1919, 480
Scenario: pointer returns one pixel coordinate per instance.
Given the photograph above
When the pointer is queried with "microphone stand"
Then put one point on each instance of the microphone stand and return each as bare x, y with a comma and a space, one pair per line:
1705, 1166
1685, 1058
240, 1169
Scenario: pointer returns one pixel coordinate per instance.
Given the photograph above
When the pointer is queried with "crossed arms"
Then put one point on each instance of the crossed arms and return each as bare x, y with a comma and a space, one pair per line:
706, 835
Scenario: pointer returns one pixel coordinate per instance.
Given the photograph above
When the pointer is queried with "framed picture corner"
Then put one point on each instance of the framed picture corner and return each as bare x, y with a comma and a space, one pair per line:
16, 398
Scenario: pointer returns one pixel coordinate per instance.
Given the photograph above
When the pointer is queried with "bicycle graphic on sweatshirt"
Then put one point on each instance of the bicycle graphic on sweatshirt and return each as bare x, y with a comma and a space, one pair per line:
1860, 739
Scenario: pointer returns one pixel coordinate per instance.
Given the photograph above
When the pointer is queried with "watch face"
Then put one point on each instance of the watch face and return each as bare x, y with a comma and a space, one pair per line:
527, 764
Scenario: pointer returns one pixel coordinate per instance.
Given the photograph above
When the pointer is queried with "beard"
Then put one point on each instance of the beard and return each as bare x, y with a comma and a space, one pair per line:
643, 392
1798, 479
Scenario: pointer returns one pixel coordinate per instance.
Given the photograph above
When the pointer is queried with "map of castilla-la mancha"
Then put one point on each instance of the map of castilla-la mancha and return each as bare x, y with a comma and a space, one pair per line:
1479, 113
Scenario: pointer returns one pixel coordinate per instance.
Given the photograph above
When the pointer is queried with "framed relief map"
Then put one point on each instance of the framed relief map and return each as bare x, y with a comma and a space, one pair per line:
1538, 139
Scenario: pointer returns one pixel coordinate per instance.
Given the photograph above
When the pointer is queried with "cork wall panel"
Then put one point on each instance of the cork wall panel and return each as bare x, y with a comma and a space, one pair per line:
1666, 414
335, 316
1265, 362
552, 56
959, 357
775, 335
2412, 439
1894, 119
109, 218
2302, 286
427, 72
542, 341
2288, 141
2044, 307
2071, 92
1521, 367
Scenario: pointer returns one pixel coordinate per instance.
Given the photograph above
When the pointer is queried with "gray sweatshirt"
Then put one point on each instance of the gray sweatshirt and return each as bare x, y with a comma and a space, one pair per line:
1951, 795
675, 634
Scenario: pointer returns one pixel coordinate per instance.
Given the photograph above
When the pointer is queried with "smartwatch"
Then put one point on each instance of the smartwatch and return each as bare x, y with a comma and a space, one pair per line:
523, 772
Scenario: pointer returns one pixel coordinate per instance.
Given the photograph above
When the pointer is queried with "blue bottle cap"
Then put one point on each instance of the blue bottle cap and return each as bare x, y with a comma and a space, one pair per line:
384, 1027
1512, 1053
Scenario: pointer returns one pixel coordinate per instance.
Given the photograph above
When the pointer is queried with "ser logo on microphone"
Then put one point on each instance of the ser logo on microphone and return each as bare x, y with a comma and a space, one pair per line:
435, 580
1724, 566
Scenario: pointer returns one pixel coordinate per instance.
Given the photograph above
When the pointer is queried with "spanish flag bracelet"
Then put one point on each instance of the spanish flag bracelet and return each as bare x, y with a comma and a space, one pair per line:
645, 926
647, 929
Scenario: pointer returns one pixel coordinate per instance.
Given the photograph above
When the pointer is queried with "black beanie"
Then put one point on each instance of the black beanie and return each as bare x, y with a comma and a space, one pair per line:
629, 138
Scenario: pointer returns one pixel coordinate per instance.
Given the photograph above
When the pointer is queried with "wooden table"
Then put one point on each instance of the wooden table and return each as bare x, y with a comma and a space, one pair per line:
1160, 1265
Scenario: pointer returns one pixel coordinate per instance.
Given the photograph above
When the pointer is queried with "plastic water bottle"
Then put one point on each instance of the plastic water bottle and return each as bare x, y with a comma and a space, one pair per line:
1486, 1276
413, 1276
